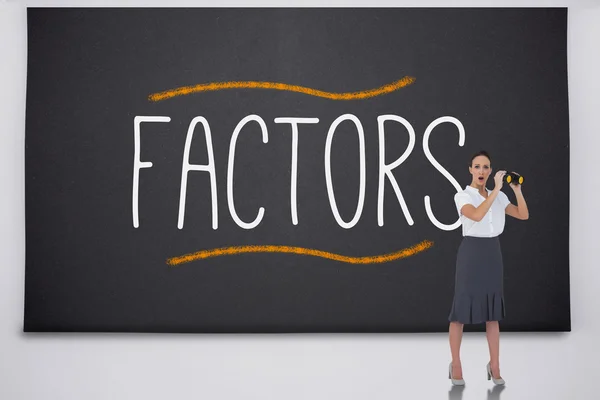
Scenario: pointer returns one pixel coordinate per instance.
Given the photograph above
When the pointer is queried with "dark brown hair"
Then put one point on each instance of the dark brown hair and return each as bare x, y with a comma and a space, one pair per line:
480, 153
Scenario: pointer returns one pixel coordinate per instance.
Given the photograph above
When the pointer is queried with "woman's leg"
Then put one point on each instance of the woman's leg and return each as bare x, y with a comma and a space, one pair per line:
492, 330
455, 334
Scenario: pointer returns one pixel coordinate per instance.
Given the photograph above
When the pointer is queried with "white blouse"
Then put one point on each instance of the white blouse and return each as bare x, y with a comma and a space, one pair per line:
492, 224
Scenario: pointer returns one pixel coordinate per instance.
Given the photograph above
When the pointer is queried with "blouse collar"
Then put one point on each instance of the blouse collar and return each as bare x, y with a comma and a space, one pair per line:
475, 190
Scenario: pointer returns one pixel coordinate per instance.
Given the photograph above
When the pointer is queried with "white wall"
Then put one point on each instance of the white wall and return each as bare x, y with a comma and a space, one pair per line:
287, 367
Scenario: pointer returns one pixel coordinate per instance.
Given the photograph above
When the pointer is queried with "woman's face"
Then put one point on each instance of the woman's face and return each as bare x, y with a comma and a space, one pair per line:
480, 169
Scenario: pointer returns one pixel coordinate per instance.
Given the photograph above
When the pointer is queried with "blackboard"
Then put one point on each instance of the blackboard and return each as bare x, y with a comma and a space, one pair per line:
116, 96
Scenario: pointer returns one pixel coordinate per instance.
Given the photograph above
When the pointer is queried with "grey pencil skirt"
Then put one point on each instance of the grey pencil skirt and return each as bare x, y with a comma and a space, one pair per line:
478, 283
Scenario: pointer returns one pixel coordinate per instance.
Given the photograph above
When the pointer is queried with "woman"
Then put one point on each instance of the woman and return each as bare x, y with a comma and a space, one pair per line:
478, 292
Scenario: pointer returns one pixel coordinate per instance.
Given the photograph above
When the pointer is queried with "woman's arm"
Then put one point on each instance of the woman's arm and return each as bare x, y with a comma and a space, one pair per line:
519, 211
477, 214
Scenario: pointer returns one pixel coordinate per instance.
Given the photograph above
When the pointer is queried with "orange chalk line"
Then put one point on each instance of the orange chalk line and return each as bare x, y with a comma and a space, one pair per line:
225, 251
207, 87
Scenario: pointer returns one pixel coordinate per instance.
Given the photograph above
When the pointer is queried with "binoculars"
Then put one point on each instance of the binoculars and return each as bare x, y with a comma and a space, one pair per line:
511, 177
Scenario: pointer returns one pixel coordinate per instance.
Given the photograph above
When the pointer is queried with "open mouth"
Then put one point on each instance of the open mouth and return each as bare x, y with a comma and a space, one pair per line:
481, 179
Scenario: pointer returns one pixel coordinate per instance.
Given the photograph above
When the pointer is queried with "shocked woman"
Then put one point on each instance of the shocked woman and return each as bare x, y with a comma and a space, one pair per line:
478, 290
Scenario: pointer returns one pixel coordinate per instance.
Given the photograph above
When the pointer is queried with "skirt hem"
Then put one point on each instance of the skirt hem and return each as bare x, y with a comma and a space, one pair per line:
477, 309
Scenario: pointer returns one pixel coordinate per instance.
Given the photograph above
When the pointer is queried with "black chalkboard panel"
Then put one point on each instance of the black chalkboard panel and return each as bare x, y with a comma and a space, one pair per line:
167, 190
